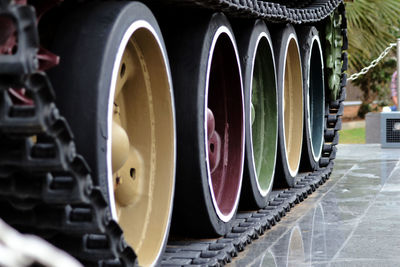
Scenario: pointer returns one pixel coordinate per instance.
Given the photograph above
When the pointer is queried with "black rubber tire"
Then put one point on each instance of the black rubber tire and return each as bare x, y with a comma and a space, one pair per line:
283, 38
189, 36
314, 96
255, 47
88, 43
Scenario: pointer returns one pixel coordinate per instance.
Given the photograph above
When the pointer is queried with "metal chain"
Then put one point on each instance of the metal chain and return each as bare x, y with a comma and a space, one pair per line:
373, 63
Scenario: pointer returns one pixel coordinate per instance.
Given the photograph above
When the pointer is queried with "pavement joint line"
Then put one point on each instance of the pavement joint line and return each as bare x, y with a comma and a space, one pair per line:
391, 173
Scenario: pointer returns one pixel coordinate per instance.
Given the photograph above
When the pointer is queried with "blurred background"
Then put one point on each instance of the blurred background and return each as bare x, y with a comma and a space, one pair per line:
372, 27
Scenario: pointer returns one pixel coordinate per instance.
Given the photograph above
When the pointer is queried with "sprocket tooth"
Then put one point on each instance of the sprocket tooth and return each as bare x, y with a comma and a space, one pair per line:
91, 249
97, 241
44, 150
81, 214
62, 182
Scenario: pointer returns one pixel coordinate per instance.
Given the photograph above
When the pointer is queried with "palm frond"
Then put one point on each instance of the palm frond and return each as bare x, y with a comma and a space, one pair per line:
372, 25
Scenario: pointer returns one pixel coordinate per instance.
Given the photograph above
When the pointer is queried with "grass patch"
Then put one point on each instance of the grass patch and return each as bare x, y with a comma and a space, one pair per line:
352, 136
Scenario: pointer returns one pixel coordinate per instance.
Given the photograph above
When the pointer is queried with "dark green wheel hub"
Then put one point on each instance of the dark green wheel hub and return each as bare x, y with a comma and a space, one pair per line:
264, 115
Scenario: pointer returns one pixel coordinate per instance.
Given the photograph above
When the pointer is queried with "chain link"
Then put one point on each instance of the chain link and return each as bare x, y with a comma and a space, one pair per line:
373, 63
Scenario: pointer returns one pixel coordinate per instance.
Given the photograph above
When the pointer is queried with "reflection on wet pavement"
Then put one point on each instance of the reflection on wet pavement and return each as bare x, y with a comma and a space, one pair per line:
353, 220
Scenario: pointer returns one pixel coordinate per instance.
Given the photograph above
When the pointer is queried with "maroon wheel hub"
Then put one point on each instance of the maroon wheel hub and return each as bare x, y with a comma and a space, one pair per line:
225, 126
214, 143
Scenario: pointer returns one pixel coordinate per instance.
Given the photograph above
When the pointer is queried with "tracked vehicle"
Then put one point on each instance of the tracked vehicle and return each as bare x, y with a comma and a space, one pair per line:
124, 122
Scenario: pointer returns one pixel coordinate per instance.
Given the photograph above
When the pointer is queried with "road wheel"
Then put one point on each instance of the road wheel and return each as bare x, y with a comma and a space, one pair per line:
314, 97
114, 87
290, 100
261, 110
210, 121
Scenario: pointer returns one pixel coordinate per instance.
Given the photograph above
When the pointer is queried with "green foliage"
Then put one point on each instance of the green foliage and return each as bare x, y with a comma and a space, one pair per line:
372, 26
333, 51
352, 136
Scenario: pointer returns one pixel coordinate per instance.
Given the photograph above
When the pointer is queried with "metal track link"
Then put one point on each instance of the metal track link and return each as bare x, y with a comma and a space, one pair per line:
46, 187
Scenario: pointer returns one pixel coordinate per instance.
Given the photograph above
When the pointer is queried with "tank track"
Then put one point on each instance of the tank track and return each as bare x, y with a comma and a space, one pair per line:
302, 11
46, 187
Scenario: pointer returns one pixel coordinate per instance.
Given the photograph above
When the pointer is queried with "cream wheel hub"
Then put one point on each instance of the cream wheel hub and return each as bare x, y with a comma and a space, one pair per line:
142, 142
120, 146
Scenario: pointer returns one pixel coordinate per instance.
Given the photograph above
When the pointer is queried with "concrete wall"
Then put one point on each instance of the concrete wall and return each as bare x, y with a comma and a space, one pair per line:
373, 128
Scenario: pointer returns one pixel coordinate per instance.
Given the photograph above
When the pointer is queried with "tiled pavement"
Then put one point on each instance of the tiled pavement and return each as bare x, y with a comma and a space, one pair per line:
352, 220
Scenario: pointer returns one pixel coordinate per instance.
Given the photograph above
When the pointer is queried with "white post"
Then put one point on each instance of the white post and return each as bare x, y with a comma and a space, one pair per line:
398, 74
